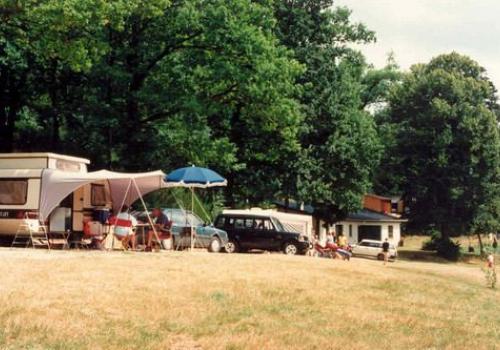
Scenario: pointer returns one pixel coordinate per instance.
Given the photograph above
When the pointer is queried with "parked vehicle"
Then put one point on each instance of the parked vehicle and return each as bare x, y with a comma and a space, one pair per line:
260, 231
206, 236
373, 248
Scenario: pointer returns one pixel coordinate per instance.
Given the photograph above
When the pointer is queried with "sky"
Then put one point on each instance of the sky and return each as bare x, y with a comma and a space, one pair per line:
417, 30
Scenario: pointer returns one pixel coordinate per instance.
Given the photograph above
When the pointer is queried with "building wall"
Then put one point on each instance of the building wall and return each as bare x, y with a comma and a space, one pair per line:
351, 228
378, 204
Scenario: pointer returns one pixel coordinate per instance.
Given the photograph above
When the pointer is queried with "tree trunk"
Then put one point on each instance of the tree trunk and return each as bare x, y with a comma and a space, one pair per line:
481, 247
9, 107
134, 147
56, 137
7, 118
445, 232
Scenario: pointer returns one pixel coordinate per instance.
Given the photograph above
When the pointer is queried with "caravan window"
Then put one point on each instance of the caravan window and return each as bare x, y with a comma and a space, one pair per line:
13, 192
98, 195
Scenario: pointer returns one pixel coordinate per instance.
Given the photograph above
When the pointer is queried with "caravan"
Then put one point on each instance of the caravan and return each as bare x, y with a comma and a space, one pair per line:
21, 178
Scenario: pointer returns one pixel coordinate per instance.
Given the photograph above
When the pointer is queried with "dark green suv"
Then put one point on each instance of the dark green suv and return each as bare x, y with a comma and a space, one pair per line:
259, 231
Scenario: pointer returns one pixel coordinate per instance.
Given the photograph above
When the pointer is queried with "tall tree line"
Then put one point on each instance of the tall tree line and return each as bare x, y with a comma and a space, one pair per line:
269, 93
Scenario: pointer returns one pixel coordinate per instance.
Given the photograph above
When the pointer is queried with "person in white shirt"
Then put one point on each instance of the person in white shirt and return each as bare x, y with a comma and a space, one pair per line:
125, 225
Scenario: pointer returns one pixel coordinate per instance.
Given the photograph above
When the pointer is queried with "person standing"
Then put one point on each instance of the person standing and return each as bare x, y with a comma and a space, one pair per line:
385, 250
330, 238
490, 271
342, 241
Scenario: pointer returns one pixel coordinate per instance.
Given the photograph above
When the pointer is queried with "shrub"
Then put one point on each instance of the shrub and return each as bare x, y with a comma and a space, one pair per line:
448, 249
444, 247
431, 244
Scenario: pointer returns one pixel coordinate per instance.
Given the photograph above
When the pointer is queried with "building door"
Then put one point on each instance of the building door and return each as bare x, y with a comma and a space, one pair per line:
369, 232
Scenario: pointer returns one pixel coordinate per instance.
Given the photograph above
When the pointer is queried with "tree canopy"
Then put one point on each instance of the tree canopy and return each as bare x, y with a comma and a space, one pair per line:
272, 94
446, 146
340, 146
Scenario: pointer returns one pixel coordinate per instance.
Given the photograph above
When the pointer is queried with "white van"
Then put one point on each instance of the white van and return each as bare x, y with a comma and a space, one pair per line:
20, 193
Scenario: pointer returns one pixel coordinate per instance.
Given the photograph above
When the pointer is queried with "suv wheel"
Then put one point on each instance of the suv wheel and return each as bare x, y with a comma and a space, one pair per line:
231, 247
214, 246
290, 248
380, 256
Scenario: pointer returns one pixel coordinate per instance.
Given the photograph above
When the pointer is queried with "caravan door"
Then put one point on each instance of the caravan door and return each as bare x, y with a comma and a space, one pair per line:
61, 218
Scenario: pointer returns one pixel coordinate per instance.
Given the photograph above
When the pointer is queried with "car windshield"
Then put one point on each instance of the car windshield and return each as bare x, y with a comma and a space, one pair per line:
183, 217
277, 224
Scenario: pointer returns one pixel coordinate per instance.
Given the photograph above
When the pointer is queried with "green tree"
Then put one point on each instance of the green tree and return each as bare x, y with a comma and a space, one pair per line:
339, 141
138, 85
378, 85
446, 145
45, 46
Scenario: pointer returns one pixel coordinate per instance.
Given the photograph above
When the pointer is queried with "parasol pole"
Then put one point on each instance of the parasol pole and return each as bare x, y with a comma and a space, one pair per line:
192, 213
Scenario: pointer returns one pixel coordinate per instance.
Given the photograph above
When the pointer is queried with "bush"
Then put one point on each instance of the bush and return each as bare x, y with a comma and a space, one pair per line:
448, 249
431, 244
444, 247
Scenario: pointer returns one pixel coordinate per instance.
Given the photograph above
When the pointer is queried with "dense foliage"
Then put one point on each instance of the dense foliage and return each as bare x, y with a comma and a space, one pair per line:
446, 146
151, 84
270, 93
339, 143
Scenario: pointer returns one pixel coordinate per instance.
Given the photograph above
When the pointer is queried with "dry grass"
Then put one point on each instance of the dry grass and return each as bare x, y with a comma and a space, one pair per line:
412, 249
95, 300
415, 242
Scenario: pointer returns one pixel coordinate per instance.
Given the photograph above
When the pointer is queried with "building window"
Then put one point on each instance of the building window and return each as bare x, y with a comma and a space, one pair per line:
13, 192
350, 230
339, 229
391, 231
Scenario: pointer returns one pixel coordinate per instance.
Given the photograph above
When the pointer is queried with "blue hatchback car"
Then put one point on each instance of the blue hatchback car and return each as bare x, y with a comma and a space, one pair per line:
205, 236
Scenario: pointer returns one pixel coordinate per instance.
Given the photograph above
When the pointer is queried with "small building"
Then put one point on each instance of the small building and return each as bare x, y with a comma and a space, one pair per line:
377, 203
379, 219
369, 224
387, 205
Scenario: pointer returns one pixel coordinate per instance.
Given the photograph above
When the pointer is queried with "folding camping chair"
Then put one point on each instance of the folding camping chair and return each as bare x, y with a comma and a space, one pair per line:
162, 234
121, 224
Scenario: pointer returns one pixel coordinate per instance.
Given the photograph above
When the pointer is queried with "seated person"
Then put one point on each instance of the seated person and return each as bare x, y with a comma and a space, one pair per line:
125, 225
342, 240
162, 227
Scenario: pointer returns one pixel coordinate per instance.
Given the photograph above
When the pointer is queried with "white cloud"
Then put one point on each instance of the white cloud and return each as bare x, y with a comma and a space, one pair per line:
417, 30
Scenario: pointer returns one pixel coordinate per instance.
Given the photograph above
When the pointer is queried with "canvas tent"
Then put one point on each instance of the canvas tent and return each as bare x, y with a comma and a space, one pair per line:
125, 188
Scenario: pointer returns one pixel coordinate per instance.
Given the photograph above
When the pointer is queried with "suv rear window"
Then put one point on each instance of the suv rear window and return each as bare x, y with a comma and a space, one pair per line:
13, 192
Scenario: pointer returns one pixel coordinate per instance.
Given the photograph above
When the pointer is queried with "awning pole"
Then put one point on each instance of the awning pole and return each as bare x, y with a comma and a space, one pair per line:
147, 212
125, 196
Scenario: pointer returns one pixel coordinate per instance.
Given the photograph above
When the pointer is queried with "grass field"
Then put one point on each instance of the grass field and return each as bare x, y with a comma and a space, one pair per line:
181, 300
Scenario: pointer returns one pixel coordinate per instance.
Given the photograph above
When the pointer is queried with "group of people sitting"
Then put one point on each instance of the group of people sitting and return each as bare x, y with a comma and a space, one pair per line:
125, 228
337, 245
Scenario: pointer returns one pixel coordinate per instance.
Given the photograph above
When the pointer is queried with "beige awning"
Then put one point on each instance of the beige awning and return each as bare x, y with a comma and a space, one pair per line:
124, 187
